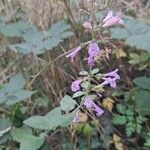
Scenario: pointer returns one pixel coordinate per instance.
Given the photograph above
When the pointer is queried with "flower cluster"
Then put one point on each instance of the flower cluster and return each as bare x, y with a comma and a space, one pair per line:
93, 50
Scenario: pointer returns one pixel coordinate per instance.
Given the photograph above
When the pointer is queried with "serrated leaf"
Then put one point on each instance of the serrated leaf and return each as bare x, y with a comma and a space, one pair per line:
38, 42
13, 91
135, 32
67, 103
49, 122
119, 120
26, 139
18, 96
142, 82
14, 29
121, 108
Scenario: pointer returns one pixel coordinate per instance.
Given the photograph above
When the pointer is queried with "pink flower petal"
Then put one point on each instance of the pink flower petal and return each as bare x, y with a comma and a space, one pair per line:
74, 52
87, 25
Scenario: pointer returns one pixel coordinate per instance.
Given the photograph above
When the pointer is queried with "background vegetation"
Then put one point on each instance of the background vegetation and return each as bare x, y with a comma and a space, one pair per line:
35, 76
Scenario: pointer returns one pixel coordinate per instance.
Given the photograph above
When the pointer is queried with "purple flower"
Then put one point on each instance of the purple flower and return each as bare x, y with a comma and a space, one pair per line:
90, 60
74, 52
111, 20
110, 78
76, 118
75, 86
93, 51
89, 104
112, 74
98, 111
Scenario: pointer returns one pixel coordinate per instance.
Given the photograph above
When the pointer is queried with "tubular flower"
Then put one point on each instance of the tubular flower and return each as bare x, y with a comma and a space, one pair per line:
112, 74
75, 86
110, 78
89, 104
111, 20
93, 51
87, 25
74, 52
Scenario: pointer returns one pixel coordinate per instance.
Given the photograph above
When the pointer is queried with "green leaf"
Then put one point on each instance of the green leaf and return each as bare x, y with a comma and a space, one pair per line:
121, 108
129, 112
142, 82
141, 41
13, 91
119, 120
49, 122
83, 73
14, 29
129, 131
119, 33
142, 102
135, 32
4, 125
78, 94
138, 128
13, 84
67, 103
38, 42
87, 130
86, 85
26, 139
18, 96
135, 58
94, 71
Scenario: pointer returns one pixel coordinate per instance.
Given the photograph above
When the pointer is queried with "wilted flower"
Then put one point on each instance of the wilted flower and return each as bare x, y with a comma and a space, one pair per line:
111, 20
89, 104
87, 25
76, 118
110, 78
75, 86
93, 51
74, 52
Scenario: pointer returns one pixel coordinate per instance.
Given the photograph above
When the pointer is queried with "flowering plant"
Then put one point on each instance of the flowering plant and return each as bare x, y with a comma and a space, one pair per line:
89, 87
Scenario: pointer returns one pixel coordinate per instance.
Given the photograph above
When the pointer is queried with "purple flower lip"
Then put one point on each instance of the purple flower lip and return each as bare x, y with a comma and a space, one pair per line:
75, 86
89, 104
110, 78
74, 52
93, 51
112, 74
111, 20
